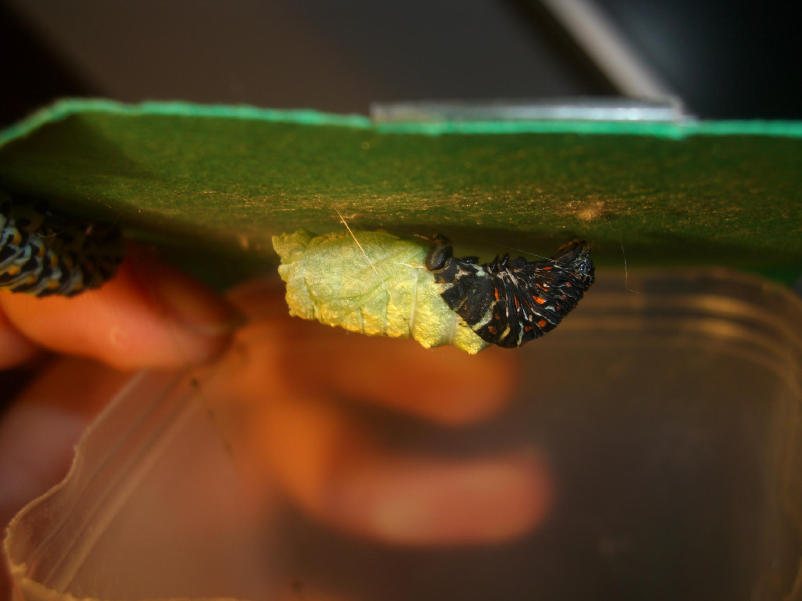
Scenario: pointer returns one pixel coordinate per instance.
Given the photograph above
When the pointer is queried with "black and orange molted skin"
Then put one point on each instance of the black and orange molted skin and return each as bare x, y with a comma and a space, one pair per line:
511, 301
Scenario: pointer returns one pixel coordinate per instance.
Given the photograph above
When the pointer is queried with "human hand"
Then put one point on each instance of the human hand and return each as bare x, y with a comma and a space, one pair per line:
148, 316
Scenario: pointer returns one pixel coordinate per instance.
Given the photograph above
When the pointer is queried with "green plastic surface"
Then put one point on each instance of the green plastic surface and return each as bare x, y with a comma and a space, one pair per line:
724, 193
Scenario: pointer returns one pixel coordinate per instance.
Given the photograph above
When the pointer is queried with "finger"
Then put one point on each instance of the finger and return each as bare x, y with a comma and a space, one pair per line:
38, 432
442, 502
338, 474
15, 348
148, 315
445, 385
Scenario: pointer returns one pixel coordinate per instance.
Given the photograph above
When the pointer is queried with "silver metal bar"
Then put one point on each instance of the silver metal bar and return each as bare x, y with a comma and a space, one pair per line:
572, 109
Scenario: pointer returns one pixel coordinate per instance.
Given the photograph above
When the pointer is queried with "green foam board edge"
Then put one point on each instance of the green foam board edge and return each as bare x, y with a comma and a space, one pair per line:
191, 176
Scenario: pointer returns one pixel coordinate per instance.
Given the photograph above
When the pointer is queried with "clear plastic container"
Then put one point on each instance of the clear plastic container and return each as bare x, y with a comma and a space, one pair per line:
668, 410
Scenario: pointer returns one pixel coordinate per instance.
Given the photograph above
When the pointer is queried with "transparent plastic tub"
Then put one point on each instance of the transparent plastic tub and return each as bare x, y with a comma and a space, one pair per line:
668, 411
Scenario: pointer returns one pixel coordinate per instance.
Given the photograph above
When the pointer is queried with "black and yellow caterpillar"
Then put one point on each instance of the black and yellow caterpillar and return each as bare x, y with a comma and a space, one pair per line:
44, 253
377, 284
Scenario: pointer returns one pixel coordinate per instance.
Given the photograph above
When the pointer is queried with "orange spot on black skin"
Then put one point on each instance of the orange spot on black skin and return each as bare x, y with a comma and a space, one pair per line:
542, 323
538, 299
527, 328
495, 293
492, 330
515, 300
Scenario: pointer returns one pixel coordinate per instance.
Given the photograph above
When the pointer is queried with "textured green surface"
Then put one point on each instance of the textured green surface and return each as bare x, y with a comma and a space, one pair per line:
379, 287
697, 193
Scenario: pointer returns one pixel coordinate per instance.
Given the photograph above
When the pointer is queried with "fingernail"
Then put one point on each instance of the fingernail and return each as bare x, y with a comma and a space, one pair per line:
198, 308
450, 503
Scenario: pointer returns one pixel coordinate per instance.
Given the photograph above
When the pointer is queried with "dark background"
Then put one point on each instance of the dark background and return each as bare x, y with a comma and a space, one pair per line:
725, 59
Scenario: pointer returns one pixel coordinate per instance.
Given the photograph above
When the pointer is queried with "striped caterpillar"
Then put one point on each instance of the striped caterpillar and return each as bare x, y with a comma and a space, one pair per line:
43, 253
401, 288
